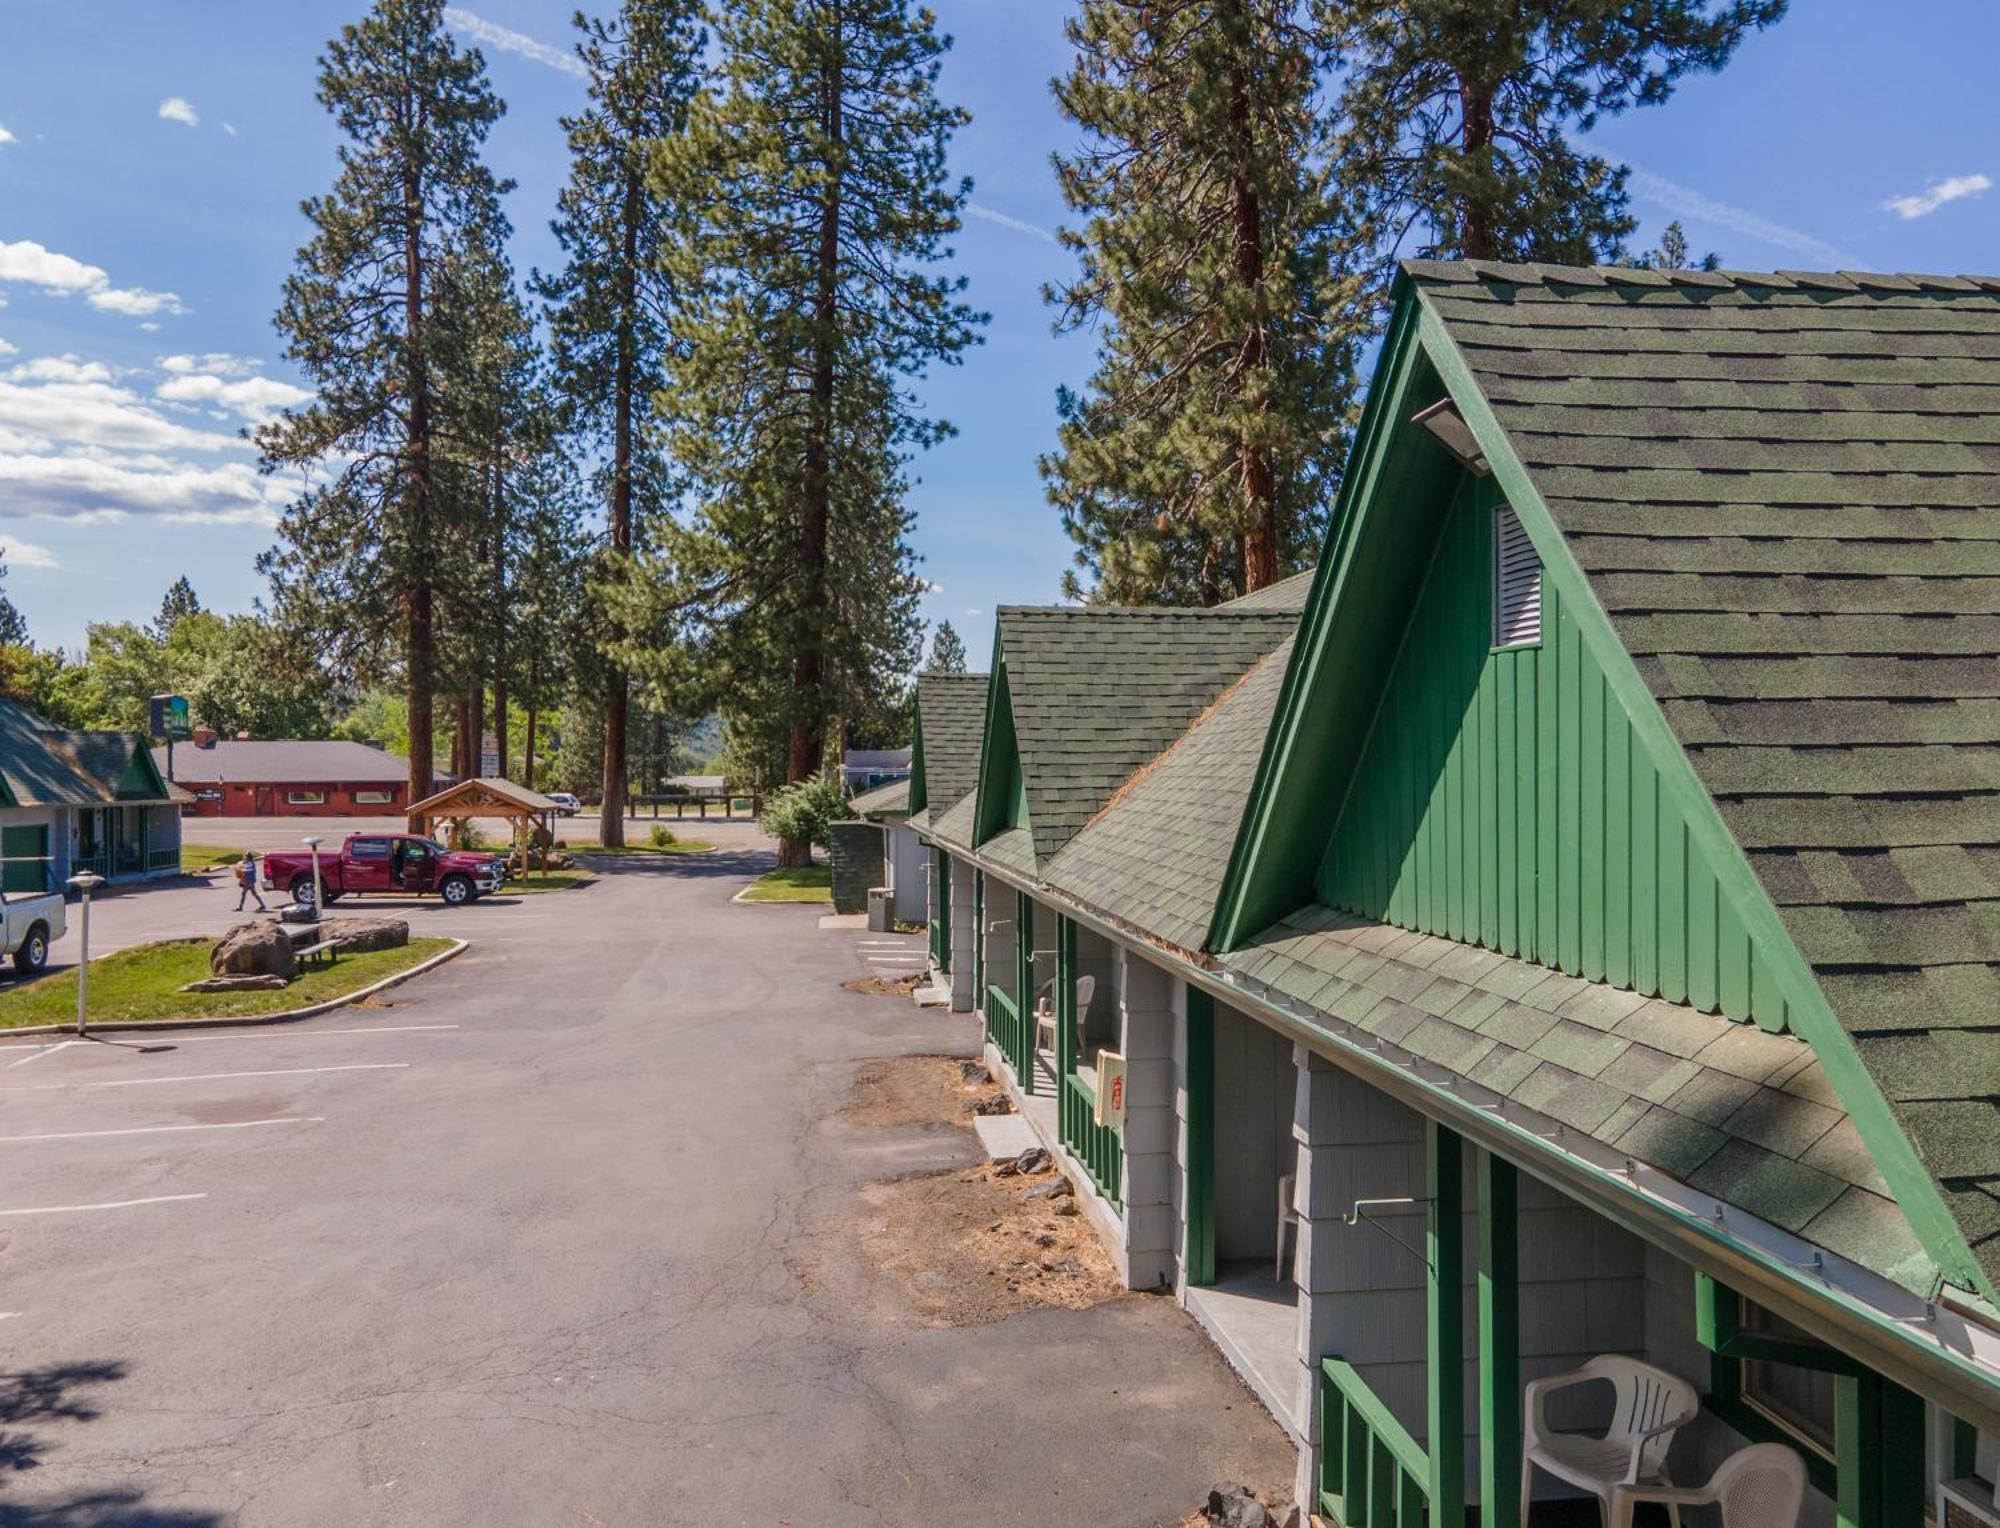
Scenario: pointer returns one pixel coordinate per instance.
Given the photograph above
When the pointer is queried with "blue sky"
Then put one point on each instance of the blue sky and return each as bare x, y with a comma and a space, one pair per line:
152, 159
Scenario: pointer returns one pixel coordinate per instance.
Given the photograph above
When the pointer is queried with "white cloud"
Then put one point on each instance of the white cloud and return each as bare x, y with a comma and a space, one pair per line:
25, 554
1685, 201
136, 302
1005, 220
1936, 194
179, 109
34, 264
7, 349
83, 440
7, 137
253, 398
507, 40
975, 612
229, 128
30, 262
215, 363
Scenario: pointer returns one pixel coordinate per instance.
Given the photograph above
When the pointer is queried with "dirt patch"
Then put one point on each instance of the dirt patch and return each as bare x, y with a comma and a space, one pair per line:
884, 986
955, 1248
904, 1090
967, 1248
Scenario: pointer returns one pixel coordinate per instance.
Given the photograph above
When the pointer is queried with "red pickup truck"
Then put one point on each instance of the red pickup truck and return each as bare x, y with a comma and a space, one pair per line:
392, 864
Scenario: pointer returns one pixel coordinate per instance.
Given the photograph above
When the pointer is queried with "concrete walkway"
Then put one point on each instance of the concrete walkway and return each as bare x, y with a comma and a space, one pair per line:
534, 1244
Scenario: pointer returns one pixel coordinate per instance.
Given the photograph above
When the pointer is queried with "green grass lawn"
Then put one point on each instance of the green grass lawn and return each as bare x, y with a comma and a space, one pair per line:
552, 880
679, 846
197, 857
144, 982
811, 883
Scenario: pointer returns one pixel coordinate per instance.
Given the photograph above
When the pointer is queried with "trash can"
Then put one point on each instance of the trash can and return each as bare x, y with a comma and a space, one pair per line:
880, 903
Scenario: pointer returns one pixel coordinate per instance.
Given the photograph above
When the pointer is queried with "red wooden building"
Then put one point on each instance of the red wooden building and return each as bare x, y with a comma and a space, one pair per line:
281, 777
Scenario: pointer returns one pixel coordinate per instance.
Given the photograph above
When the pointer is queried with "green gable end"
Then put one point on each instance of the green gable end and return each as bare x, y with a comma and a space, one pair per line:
1505, 799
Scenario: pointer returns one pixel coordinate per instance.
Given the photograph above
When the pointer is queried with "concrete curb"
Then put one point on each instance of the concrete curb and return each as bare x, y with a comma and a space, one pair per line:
240, 1021
743, 899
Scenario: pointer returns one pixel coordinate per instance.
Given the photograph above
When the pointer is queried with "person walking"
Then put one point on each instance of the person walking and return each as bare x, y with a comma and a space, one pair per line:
246, 879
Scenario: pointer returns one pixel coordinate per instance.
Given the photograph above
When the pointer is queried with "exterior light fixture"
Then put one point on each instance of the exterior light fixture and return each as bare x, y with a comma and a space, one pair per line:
1448, 427
84, 882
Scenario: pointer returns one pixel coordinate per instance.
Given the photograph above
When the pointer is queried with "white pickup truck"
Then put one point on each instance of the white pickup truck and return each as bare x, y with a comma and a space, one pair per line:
33, 921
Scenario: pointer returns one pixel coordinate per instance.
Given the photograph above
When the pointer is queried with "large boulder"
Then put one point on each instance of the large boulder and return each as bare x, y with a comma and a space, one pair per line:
254, 949
355, 935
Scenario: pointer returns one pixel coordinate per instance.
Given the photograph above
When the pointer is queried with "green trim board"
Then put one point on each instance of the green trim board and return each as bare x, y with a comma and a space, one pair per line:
1499, 1301
1198, 1253
1444, 1301
1002, 794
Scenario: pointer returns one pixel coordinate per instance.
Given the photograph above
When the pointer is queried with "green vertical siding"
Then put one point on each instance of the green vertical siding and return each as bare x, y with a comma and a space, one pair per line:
1504, 799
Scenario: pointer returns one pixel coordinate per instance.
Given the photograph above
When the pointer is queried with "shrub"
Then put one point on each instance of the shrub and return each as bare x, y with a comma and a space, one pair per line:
803, 812
663, 836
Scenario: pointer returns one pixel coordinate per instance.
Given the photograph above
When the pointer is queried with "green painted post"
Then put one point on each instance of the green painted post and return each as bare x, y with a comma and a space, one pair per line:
1964, 1449
941, 929
1444, 1249
1499, 1344
1879, 1450
1065, 1000
1900, 1448
1024, 991
1199, 1253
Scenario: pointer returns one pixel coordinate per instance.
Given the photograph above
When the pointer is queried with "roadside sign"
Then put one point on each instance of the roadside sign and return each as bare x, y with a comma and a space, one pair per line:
489, 756
1111, 1089
167, 716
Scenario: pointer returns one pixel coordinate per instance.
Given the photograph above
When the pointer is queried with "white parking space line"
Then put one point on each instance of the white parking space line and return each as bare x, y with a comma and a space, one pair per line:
41, 1051
100, 1135
112, 1204
309, 1034
144, 1082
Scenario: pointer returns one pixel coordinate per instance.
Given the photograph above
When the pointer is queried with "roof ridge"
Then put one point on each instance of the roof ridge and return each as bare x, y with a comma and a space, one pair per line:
1540, 273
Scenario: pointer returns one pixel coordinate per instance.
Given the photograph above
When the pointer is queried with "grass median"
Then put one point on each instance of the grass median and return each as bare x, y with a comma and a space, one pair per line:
196, 858
805, 883
545, 880
144, 982
678, 846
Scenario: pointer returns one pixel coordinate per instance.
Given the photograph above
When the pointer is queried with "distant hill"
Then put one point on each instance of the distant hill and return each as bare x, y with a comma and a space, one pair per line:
700, 744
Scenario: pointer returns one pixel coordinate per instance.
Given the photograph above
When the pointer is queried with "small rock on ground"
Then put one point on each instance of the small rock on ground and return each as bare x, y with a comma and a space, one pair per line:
1057, 1187
1237, 1506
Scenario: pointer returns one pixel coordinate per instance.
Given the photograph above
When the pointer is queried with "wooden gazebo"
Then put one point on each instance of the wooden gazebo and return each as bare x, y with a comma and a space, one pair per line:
526, 810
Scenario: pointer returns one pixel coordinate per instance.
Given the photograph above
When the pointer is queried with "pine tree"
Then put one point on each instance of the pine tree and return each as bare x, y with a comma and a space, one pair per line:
947, 652
13, 625
545, 591
1458, 116
610, 308
1199, 460
811, 295
180, 602
1671, 254
365, 315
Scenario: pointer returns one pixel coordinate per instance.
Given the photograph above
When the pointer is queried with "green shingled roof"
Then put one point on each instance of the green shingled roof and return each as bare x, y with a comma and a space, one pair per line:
1155, 857
45, 765
1785, 492
1285, 594
944, 764
883, 801
1738, 1113
1099, 691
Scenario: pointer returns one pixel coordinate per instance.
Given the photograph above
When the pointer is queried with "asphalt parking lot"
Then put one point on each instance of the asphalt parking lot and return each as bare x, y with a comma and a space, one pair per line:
528, 1242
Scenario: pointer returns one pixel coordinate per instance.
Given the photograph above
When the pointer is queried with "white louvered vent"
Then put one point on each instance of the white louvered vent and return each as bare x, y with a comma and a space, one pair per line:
1517, 584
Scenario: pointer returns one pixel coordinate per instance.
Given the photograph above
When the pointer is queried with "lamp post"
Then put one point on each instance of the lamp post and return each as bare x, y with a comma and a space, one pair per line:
84, 882
319, 894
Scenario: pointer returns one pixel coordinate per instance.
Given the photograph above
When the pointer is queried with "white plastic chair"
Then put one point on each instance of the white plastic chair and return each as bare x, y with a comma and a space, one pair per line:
1045, 1010
1761, 1486
1650, 1406
1288, 1216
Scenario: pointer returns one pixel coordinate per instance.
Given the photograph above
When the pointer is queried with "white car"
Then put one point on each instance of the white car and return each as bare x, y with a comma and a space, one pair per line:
566, 804
33, 921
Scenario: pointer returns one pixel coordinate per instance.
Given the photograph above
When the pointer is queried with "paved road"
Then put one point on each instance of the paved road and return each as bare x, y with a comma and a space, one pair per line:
532, 1246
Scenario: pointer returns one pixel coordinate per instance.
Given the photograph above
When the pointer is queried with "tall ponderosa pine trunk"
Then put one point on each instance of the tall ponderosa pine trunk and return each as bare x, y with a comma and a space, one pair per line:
611, 822
806, 753
419, 595
1260, 485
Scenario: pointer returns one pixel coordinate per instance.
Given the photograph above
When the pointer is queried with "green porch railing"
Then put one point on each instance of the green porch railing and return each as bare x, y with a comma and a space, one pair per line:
160, 859
1010, 1036
1372, 1473
1096, 1146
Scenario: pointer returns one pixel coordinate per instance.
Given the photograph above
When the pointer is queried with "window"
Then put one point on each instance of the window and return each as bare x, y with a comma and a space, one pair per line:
1799, 1401
1517, 583
306, 798
369, 849
374, 798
